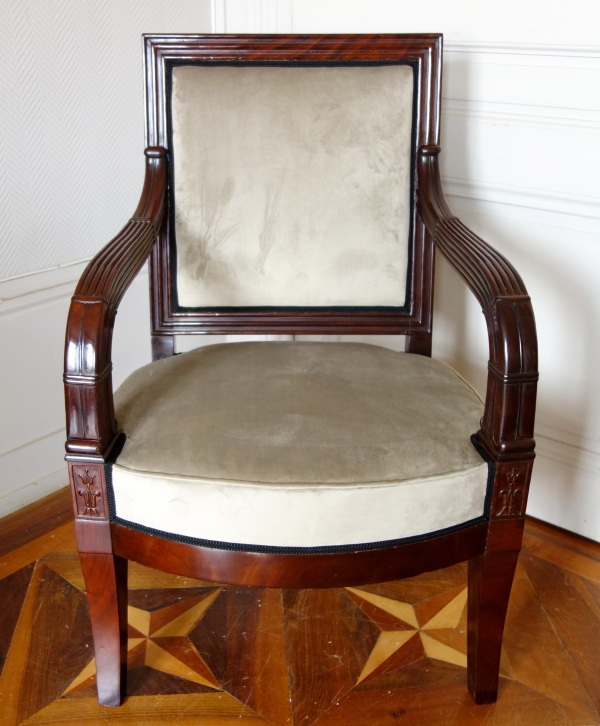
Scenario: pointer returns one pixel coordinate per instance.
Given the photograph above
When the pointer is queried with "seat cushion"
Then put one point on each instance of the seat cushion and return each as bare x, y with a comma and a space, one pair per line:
298, 444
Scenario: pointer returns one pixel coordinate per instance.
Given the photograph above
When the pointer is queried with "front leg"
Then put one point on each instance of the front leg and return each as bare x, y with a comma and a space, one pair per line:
491, 577
105, 577
106, 586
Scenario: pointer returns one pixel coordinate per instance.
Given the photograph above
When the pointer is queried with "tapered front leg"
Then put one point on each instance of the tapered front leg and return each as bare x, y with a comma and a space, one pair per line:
490, 581
105, 576
106, 583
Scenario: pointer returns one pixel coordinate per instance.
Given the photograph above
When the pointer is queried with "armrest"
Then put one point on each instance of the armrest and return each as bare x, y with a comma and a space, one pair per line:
91, 425
507, 424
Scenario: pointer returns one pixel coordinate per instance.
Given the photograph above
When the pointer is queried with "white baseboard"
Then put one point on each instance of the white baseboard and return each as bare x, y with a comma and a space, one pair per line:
569, 455
32, 471
566, 496
565, 487
32, 492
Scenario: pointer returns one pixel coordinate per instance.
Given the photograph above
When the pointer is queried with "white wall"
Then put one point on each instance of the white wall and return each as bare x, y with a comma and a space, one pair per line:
521, 144
521, 140
71, 171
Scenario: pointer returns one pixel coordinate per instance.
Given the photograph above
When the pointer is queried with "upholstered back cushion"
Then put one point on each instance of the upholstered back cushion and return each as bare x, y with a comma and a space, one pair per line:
292, 185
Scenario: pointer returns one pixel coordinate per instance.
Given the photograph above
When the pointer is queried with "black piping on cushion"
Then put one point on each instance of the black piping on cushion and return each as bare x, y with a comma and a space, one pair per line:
322, 550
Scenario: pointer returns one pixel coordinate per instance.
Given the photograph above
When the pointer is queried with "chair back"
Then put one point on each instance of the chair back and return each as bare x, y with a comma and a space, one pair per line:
292, 182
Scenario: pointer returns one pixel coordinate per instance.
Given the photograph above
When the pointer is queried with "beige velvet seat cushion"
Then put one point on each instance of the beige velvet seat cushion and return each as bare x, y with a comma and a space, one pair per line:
298, 445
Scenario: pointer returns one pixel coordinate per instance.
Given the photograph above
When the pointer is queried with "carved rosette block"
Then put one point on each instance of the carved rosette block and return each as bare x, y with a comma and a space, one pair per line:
510, 490
88, 488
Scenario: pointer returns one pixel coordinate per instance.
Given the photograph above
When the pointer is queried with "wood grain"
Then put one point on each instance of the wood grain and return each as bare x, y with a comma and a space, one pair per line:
490, 581
548, 669
147, 682
53, 662
392, 651
562, 537
425, 50
13, 590
430, 692
197, 709
12, 694
507, 425
301, 571
106, 585
572, 619
61, 539
427, 610
529, 638
34, 521
91, 425
330, 649
256, 657
567, 558
386, 613
417, 589
551, 654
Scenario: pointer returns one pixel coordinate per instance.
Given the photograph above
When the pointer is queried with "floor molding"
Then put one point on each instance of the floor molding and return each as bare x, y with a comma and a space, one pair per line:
563, 537
567, 454
35, 520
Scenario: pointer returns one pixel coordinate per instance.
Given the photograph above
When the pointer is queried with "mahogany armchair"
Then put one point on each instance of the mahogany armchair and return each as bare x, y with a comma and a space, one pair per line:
292, 187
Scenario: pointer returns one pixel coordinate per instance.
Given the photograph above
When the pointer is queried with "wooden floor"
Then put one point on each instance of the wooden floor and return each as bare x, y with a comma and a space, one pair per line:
204, 654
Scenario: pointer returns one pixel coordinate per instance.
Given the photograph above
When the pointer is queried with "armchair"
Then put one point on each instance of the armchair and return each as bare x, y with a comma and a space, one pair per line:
292, 186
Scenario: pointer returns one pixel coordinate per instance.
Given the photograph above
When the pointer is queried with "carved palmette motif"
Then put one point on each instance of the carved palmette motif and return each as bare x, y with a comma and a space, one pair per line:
88, 488
90, 494
512, 483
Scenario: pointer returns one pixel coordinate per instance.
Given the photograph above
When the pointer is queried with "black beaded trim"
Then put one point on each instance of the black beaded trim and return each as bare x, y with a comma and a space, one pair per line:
487, 507
323, 550
267, 549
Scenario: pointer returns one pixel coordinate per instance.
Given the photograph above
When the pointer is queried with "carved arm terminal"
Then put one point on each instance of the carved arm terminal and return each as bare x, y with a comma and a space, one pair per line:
506, 431
91, 425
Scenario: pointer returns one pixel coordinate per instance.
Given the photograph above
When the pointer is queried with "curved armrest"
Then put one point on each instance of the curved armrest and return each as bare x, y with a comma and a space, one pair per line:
507, 424
91, 425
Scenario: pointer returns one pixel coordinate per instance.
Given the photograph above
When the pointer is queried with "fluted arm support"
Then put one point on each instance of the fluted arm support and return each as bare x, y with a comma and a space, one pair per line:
507, 425
91, 425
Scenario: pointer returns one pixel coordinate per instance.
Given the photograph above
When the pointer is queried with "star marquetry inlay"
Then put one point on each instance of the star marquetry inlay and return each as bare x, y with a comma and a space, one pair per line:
158, 639
434, 629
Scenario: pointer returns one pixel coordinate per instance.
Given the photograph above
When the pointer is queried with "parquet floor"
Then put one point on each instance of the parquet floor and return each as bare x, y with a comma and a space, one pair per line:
204, 654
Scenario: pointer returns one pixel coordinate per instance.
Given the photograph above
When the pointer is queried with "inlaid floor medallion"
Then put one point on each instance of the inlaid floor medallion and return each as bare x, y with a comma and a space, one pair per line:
202, 653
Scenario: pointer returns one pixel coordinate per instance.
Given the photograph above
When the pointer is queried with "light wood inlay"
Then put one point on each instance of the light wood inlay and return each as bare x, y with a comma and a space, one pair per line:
401, 610
200, 653
449, 616
61, 539
387, 645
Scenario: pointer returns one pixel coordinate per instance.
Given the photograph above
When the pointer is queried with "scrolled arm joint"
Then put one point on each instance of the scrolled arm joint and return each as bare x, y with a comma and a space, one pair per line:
507, 424
91, 426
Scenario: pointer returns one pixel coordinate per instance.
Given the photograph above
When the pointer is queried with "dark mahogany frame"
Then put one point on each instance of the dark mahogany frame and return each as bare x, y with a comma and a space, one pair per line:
422, 50
506, 432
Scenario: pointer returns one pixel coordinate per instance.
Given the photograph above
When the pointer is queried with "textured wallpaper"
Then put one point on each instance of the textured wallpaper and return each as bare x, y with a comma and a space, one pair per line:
72, 121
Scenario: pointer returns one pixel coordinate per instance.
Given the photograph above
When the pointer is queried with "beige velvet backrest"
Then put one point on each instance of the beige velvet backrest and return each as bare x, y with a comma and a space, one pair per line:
292, 181
292, 185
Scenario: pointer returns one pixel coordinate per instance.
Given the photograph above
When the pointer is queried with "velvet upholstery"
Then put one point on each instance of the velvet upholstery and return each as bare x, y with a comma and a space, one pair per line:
292, 185
298, 444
